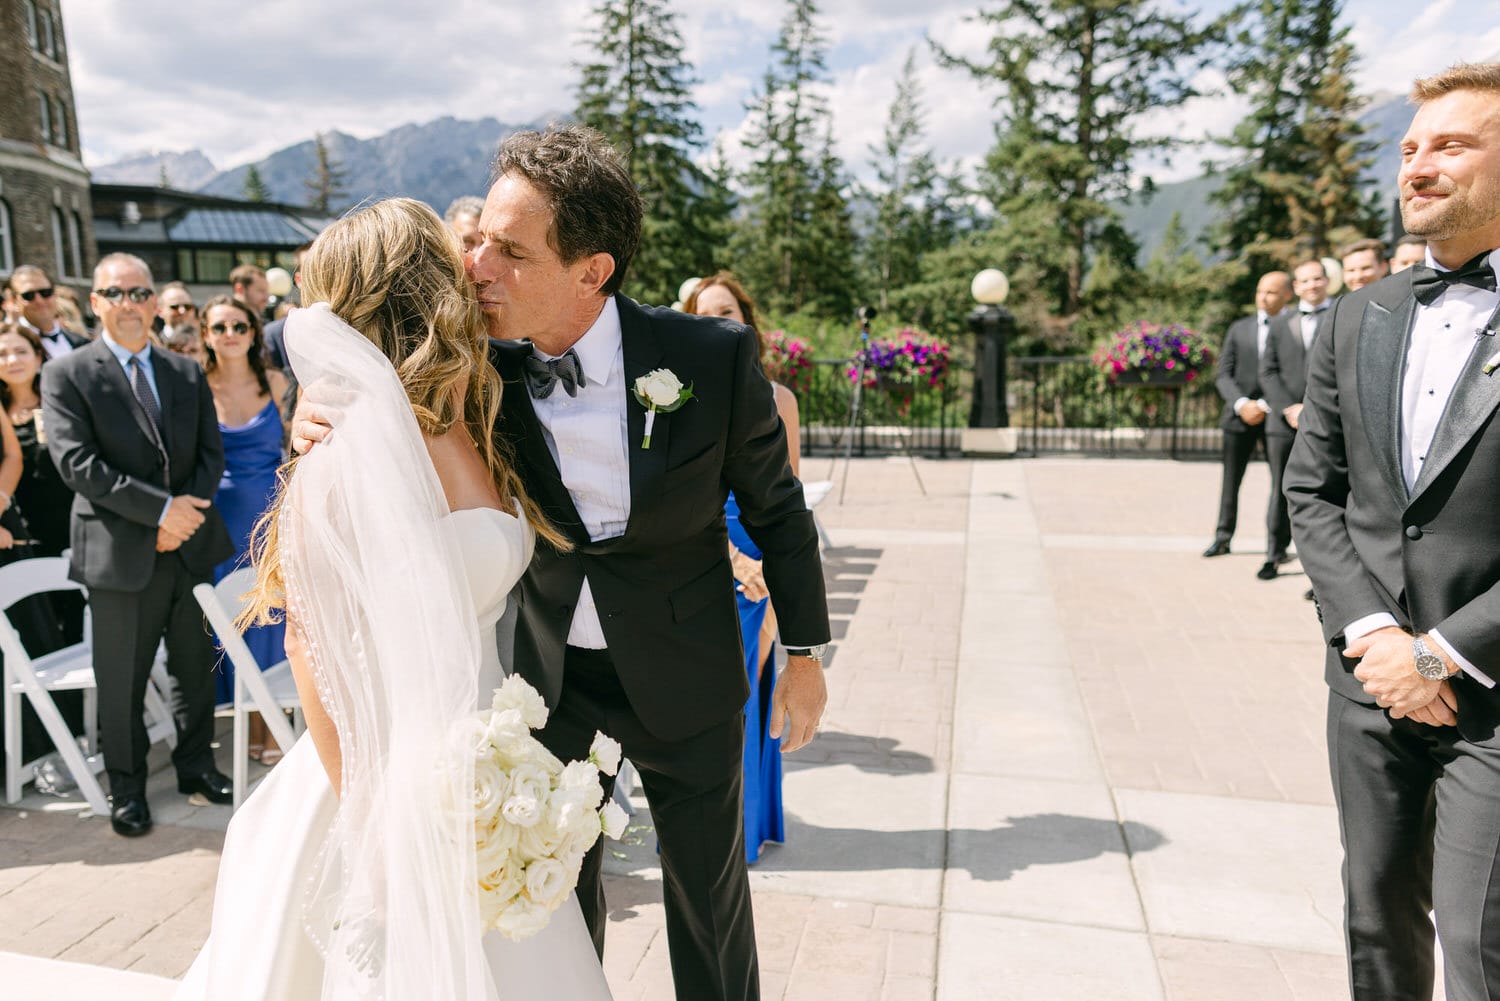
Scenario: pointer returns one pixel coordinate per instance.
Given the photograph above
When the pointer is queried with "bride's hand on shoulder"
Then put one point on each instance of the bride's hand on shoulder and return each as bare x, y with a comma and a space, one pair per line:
319, 410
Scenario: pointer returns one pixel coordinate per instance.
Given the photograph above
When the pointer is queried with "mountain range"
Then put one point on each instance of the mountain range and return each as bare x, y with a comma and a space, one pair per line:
435, 162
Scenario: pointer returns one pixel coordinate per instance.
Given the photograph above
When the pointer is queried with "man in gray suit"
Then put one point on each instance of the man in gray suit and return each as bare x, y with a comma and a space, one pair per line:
1394, 487
1246, 410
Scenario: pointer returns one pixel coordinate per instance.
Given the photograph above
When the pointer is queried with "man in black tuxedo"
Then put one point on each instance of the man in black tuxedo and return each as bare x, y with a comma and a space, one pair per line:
32, 291
134, 434
1283, 378
1393, 485
1245, 413
635, 632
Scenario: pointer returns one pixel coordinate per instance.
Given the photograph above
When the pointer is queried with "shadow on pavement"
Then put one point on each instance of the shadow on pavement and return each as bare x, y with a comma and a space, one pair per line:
868, 754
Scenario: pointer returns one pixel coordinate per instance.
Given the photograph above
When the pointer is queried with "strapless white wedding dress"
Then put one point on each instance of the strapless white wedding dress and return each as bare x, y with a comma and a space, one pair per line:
259, 949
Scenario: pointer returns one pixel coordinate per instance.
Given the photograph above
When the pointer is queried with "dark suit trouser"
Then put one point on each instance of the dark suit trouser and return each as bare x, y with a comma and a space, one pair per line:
1419, 817
694, 787
1237, 449
1278, 520
127, 628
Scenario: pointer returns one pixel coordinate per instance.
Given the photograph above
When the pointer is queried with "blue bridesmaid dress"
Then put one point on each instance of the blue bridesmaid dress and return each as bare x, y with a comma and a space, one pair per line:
252, 454
763, 812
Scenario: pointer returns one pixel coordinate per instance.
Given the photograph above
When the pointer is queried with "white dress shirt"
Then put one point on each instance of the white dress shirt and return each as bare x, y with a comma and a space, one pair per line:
587, 436
54, 343
1262, 331
1442, 339
1312, 317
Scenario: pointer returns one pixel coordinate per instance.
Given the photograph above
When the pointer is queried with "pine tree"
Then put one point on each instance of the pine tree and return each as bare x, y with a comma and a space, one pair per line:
255, 188
637, 93
793, 191
1293, 188
325, 188
911, 211
1077, 78
163, 179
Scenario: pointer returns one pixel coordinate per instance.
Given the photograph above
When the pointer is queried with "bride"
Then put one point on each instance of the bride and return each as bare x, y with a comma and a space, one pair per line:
350, 873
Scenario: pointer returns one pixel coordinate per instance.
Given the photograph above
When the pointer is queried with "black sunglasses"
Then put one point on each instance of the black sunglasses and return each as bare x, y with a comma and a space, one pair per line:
115, 293
181, 307
238, 328
45, 293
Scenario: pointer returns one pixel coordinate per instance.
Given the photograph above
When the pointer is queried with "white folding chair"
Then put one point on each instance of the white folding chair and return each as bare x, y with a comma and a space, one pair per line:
71, 668
813, 494
267, 692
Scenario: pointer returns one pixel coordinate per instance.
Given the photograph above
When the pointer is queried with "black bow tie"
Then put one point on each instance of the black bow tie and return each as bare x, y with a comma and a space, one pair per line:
543, 374
1308, 311
1429, 283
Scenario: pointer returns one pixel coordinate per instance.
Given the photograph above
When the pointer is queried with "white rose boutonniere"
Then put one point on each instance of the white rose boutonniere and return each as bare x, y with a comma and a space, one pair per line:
662, 391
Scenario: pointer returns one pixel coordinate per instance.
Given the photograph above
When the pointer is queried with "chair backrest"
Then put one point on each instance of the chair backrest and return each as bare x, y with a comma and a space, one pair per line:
24, 578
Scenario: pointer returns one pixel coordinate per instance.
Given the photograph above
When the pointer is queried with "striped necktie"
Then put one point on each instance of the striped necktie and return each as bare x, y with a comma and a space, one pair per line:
143, 393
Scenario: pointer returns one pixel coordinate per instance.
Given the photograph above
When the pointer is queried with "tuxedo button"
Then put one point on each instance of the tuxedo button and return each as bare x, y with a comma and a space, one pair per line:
1413, 532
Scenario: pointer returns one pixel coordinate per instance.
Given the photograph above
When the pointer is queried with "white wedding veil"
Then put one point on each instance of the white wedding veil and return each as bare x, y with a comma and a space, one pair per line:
375, 584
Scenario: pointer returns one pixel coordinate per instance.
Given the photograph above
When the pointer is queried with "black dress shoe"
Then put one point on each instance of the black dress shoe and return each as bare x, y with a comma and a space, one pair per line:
213, 784
1308, 595
1267, 571
1219, 548
131, 817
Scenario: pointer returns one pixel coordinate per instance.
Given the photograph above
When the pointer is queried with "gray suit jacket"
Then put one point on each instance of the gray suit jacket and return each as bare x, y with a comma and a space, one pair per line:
1283, 369
1238, 370
1430, 556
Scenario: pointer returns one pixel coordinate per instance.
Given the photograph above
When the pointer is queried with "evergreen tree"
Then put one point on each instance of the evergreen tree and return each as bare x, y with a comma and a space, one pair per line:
911, 211
790, 242
325, 188
1292, 188
163, 180
1076, 78
637, 93
255, 188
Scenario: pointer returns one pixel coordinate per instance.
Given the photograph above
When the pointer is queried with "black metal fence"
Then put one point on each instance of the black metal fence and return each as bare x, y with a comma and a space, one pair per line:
1057, 405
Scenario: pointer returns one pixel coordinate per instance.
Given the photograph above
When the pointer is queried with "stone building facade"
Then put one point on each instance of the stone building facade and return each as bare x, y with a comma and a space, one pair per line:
45, 213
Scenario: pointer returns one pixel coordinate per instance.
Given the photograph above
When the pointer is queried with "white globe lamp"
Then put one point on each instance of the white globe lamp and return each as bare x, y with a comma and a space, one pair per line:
990, 287
279, 282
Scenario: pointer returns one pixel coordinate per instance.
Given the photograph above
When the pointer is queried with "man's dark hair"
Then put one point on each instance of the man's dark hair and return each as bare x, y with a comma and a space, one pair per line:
25, 269
1360, 246
595, 207
245, 274
1411, 239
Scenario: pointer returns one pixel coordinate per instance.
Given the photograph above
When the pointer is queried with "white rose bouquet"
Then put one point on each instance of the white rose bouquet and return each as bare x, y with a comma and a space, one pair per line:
534, 817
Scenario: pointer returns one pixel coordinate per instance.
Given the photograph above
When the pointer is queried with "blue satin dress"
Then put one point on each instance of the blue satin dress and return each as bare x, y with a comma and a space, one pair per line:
763, 811
252, 454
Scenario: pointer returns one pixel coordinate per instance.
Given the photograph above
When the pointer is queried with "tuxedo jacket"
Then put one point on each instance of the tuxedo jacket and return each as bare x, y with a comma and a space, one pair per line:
664, 590
122, 472
1430, 556
1238, 370
1283, 369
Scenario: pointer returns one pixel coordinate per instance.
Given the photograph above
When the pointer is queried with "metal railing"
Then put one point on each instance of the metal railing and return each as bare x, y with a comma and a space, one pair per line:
1057, 405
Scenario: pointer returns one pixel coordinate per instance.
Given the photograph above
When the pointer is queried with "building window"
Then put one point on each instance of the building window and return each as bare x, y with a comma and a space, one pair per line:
59, 242
29, 14
7, 241
185, 272
75, 244
48, 40
60, 123
214, 265
46, 109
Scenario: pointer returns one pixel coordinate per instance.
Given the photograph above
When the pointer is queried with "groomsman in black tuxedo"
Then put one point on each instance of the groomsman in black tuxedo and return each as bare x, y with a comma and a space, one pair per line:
134, 434
30, 289
1245, 412
1283, 377
1394, 483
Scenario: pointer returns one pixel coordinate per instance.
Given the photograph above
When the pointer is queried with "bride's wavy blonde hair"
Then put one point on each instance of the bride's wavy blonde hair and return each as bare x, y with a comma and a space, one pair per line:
393, 272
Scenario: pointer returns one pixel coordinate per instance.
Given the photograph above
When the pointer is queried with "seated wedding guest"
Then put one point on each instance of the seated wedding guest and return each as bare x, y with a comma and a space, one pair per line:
132, 430
1364, 264
245, 392
463, 218
185, 339
722, 295
1410, 249
30, 286
41, 497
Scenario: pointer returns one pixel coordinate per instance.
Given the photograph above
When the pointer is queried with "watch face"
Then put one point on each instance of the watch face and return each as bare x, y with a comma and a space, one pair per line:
1431, 667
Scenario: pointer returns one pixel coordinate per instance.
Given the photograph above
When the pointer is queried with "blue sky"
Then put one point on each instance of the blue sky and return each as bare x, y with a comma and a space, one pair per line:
240, 81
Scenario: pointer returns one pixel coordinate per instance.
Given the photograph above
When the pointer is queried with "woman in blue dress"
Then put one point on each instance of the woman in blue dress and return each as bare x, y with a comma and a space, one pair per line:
722, 295
245, 394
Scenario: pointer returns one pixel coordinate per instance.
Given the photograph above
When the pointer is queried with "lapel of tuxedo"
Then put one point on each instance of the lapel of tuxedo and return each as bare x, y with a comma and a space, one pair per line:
1380, 361
1474, 398
528, 441
643, 353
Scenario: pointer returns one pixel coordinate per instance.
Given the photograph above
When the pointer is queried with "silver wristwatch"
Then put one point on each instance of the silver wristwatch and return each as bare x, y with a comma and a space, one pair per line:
811, 652
1429, 664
